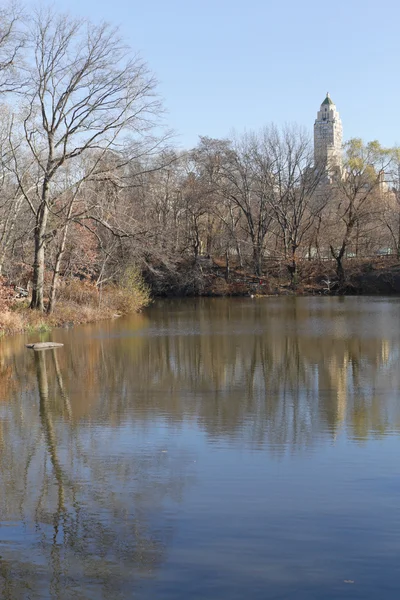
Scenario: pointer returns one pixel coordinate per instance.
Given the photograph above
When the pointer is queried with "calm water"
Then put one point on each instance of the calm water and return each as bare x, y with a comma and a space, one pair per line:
207, 449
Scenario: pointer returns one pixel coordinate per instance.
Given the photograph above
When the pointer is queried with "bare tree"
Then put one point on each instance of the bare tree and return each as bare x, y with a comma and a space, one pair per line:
246, 186
356, 195
85, 93
12, 215
223, 216
285, 161
390, 213
12, 41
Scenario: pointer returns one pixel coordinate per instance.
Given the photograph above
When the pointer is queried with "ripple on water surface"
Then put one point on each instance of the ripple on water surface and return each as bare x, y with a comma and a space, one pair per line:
210, 448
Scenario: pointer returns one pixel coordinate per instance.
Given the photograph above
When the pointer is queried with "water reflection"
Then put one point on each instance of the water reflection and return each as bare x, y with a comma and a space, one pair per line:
94, 437
271, 371
280, 371
75, 511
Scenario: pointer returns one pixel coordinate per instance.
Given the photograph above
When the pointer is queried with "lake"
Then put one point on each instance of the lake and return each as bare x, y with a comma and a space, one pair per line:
214, 449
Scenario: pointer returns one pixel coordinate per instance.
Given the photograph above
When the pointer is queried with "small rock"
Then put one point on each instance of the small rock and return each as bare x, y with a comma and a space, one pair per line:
43, 345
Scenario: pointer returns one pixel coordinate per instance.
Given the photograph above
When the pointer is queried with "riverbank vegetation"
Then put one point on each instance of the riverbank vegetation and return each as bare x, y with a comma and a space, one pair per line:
78, 302
92, 188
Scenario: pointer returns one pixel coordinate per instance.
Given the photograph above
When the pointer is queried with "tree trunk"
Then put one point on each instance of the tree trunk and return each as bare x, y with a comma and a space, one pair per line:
340, 271
239, 254
56, 273
227, 265
196, 240
8, 229
338, 256
2, 259
39, 262
357, 240
257, 260
293, 269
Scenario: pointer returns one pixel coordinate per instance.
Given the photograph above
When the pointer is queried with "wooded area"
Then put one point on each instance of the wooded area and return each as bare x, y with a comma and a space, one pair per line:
93, 190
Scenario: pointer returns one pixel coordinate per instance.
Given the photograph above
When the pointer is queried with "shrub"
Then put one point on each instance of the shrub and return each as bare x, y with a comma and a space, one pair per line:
40, 327
79, 292
78, 301
10, 322
130, 293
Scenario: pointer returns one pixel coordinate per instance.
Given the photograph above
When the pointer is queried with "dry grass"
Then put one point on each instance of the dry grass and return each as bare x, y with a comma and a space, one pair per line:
21, 318
79, 302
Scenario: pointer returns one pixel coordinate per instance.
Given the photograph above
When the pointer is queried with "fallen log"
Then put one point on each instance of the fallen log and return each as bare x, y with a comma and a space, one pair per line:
43, 345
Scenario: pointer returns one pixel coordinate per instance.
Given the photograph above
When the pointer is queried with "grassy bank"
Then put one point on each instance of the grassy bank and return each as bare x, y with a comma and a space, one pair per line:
78, 302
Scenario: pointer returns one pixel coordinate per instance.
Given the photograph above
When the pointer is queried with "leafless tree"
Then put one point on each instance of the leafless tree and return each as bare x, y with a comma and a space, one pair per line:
356, 194
248, 188
85, 93
390, 206
285, 161
12, 41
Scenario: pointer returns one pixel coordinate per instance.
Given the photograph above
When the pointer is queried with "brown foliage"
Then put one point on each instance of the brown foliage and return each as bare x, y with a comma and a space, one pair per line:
79, 302
6, 294
79, 292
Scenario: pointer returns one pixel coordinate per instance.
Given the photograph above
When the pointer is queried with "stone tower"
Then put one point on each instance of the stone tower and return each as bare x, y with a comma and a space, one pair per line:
328, 134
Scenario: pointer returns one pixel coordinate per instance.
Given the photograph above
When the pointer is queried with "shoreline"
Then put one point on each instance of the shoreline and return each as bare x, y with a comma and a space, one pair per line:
82, 304
42, 323
211, 278
27, 321
79, 303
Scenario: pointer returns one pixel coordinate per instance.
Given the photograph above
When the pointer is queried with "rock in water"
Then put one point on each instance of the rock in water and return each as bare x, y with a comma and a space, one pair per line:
43, 345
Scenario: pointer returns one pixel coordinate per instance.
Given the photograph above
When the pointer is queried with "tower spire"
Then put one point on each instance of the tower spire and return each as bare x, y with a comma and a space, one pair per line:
328, 135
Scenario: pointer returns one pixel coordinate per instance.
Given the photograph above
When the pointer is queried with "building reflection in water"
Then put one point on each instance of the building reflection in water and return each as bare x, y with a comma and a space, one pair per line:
77, 480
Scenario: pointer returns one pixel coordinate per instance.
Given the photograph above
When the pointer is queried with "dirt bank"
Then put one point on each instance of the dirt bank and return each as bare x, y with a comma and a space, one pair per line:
208, 277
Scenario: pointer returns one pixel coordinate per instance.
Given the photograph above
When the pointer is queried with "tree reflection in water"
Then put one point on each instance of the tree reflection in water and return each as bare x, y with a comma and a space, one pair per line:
75, 514
276, 372
84, 478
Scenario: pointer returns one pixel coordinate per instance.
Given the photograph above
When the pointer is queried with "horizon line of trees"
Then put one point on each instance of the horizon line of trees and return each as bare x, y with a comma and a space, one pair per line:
91, 184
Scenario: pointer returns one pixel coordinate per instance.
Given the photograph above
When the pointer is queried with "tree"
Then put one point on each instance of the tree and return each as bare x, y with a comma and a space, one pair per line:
390, 215
285, 161
12, 41
243, 184
223, 215
85, 94
355, 194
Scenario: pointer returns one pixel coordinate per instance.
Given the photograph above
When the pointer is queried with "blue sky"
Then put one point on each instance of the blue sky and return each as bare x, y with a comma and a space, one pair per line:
230, 64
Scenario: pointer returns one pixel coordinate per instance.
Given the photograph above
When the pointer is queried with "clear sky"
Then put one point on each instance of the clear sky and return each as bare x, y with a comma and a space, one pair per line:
241, 64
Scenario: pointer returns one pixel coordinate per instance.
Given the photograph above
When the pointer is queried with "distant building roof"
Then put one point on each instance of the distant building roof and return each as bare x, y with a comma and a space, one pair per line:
327, 99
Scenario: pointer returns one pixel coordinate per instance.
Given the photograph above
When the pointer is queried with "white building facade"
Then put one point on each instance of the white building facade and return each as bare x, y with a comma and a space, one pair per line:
328, 138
